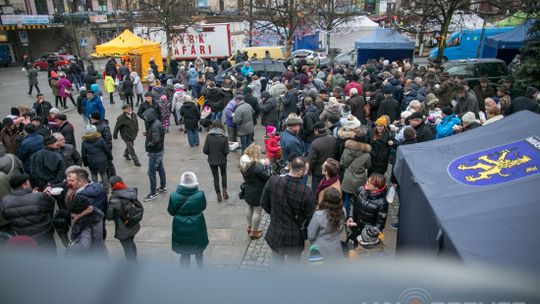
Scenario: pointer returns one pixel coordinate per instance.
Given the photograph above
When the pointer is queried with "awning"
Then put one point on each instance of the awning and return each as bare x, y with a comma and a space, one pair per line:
22, 27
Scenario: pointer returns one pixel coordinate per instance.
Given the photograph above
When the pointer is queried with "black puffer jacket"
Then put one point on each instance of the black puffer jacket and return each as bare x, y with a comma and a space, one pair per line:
47, 165
71, 155
255, 177
145, 106
116, 210
216, 147
269, 111
30, 213
155, 135
370, 209
214, 99
380, 152
103, 128
95, 152
42, 109
191, 114
423, 132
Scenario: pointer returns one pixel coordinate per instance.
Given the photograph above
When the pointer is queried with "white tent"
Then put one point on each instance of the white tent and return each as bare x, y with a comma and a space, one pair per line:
345, 34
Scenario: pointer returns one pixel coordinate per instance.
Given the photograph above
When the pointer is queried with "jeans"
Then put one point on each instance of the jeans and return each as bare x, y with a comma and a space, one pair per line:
31, 88
185, 260
85, 119
215, 174
253, 216
104, 178
155, 163
130, 249
193, 137
139, 99
292, 254
129, 99
245, 140
130, 150
215, 116
347, 203
231, 133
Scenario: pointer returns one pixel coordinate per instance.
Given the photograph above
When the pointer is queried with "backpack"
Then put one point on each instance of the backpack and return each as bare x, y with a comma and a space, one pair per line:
134, 212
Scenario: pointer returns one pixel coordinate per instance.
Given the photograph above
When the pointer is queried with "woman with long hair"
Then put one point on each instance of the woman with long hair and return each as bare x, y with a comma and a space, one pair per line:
324, 230
255, 177
330, 171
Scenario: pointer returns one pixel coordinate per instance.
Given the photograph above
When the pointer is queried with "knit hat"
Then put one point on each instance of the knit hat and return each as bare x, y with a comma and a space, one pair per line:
387, 90
319, 126
353, 91
115, 179
293, 121
369, 236
189, 180
345, 111
94, 87
126, 106
178, 86
95, 116
61, 117
54, 75
54, 111
270, 129
416, 115
16, 180
163, 97
90, 128
431, 99
332, 100
49, 140
7, 122
350, 123
382, 121
37, 118
468, 118
79, 204
431, 119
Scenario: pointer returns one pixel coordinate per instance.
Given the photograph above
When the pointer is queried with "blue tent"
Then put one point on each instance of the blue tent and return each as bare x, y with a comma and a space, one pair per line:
474, 195
309, 42
387, 43
506, 45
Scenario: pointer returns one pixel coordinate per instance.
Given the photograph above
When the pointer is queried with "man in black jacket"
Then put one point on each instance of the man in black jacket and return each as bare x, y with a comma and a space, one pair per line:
128, 126
423, 132
269, 110
253, 102
47, 166
40, 128
389, 106
30, 213
149, 103
69, 152
66, 128
102, 127
526, 102
155, 139
42, 107
322, 148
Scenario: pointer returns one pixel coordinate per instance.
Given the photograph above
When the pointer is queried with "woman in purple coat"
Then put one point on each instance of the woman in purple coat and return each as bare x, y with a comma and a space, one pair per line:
66, 89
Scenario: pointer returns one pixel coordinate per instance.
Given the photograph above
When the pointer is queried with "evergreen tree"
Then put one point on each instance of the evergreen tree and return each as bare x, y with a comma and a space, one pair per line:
528, 73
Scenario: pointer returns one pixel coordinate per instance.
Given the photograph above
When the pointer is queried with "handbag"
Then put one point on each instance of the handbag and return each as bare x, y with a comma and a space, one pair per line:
242, 193
67, 91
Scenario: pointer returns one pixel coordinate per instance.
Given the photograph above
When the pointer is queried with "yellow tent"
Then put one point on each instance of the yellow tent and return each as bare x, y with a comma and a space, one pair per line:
128, 43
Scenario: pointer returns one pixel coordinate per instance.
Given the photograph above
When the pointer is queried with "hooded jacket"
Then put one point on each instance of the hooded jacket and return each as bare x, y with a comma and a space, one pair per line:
525, 102
191, 114
255, 177
145, 106
116, 210
397, 89
108, 83
137, 83
309, 120
97, 196
356, 161
331, 109
94, 105
466, 104
95, 152
423, 132
216, 146
71, 155
155, 135
30, 144
370, 209
269, 111
445, 128
214, 99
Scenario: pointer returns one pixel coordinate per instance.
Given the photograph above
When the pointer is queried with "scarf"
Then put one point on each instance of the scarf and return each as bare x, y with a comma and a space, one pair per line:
119, 186
325, 183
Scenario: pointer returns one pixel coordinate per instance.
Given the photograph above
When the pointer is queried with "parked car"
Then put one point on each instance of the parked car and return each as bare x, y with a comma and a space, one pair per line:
319, 58
347, 58
262, 68
41, 63
474, 69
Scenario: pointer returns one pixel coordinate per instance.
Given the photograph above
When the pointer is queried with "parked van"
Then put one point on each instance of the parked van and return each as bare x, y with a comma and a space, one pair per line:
464, 44
276, 52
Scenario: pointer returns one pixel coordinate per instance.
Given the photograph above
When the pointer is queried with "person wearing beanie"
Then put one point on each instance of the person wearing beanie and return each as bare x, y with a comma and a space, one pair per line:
93, 104
290, 140
125, 228
30, 144
53, 83
96, 155
331, 110
469, 122
189, 233
40, 127
271, 144
66, 90
353, 84
422, 131
52, 120
389, 106
380, 140
29, 213
87, 226
357, 104
465, 101
42, 107
127, 124
448, 124
47, 166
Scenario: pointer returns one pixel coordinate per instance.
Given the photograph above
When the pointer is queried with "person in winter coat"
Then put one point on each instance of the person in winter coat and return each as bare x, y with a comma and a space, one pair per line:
356, 161
483, 91
216, 147
527, 102
10, 136
110, 67
380, 141
192, 76
150, 79
149, 103
30, 144
326, 225
81, 105
138, 87
42, 107
154, 67
322, 148
127, 88
177, 103
231, 126
423, 131
290, 142
53, 83
408, 96
158, 90
121, 198
29, 213
465, 101
93, 104
310, 118
47, 167
271, 144
189, 234
32, 75
396, 87
165, 109
269, 110
331, 109
255, 177
127, 124
289, 102
289, 202
445, 91
183, 76
191, 115
154, 145
66, 90
256, 86
389, 106
66, 129
330, 179
243, 119
214, 99
357, 103
86, 229
96, 155
370, 207
253, 102
69, 152
109, 87
446, 126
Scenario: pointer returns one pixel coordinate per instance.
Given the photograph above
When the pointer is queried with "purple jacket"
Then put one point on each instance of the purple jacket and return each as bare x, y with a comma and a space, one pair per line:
229, 111
63, 84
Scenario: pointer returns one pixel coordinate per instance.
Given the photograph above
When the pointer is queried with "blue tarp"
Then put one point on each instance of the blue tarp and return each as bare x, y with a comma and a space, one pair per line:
387, 43
309, 42
454, 201
506, 45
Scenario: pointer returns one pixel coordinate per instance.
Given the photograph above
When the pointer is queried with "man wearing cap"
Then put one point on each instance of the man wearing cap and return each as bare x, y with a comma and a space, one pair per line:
31, 143
243, 119
69, 152
29, 213
128, 125
465, 101
66, 129
483, 91
290, 141
93, 104
423, 132
42, 107
47, 166
322, 148
389, 106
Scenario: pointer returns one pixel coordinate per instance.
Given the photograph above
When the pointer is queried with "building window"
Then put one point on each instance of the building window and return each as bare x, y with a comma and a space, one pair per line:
58, 6
102, 5
41, 7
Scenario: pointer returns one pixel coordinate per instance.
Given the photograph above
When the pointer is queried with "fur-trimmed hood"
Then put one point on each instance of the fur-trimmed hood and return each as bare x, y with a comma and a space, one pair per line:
346, 134
91, 135
357, 146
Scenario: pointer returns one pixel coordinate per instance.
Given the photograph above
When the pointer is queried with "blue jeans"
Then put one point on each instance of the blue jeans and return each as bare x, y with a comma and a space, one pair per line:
215, 116
155, 163
245, 140
347, 203
193, 137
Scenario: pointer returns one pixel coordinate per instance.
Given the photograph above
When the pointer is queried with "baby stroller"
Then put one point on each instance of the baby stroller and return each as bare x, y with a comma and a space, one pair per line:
205, 121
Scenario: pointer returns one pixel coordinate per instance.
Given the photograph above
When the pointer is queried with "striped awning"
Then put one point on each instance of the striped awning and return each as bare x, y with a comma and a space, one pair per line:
22, 27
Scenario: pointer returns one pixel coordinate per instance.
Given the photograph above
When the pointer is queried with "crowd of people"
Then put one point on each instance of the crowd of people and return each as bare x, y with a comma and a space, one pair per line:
329, 143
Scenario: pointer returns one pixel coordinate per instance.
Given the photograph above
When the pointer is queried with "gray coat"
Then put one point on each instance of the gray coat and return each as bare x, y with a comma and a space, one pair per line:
327, 240
243, 119
356, 160
116, 211
466, 104
32, 75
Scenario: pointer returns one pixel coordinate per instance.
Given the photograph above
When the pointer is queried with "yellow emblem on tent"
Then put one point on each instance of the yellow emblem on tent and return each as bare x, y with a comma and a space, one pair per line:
490, 167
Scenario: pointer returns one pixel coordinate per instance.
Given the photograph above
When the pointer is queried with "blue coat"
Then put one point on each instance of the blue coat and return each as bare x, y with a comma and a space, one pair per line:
29, 145
94, 105
192, 75
290, 144
96, 195
444, 129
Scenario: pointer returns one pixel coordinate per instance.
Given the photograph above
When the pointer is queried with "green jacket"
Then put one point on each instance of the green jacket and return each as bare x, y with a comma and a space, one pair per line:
128, 127
189, 235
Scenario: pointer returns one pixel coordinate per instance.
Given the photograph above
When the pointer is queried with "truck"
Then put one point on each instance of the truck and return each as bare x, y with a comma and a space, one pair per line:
201, 40
464, 44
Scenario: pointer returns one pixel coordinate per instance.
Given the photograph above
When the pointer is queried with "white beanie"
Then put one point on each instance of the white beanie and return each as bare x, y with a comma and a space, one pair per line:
189, 180
468, 118
353, 91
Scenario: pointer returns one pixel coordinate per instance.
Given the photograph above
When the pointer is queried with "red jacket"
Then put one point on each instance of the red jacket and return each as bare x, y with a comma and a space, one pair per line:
271, 143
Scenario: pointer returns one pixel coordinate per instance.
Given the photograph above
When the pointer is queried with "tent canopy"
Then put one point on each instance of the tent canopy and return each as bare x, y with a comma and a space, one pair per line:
454, 200
511, 40
125, 43
381, 38
359, 23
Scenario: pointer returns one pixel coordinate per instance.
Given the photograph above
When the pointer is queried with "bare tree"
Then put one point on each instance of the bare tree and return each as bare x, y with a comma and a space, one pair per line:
330, 14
